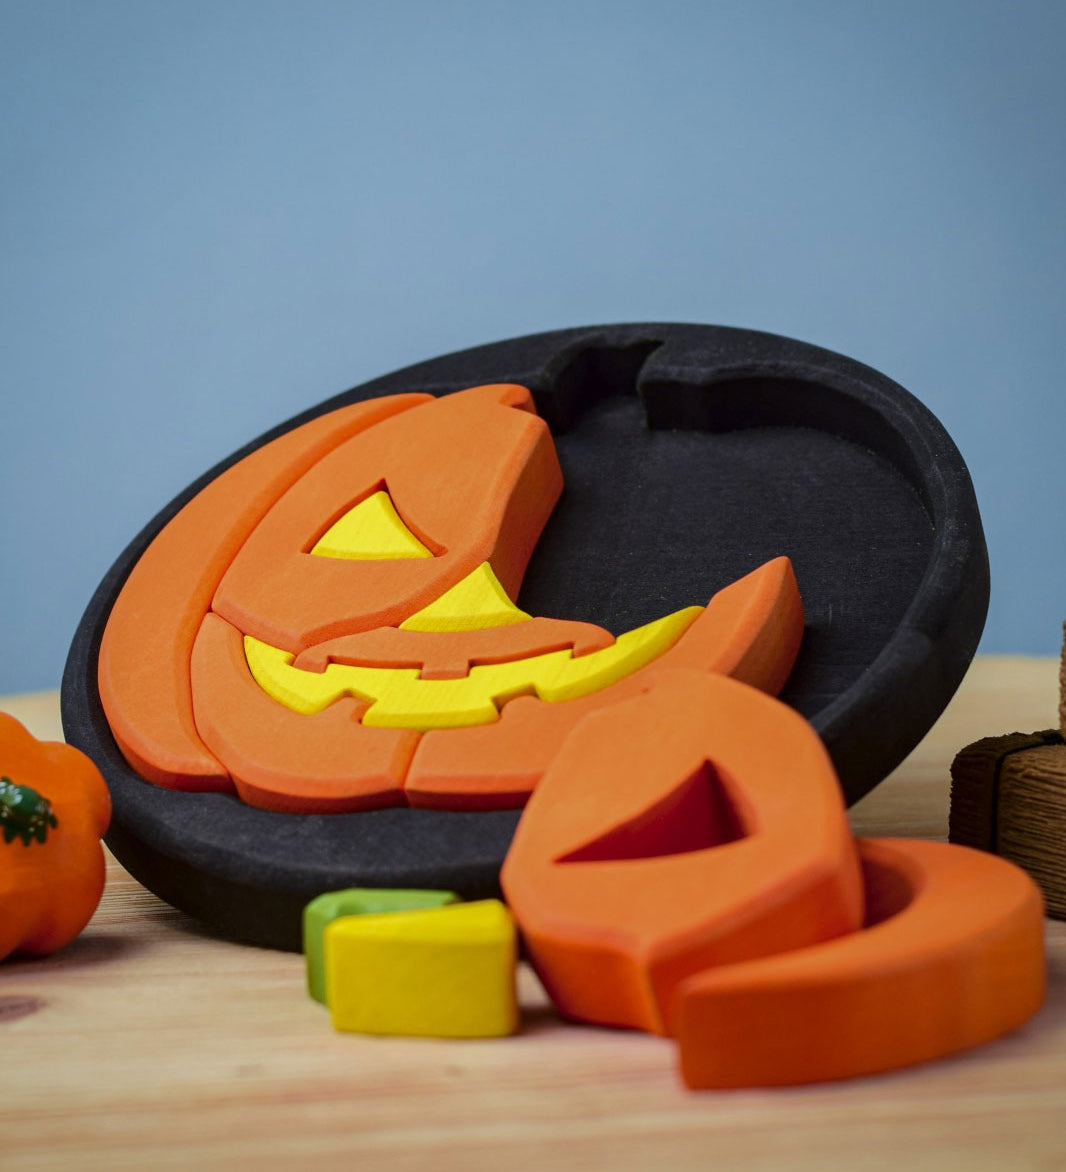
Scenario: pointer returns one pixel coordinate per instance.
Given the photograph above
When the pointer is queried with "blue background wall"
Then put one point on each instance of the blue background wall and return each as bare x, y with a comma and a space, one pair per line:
214, 214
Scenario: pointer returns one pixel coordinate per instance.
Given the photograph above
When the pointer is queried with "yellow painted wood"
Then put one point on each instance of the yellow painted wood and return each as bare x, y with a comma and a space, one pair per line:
446, 972
370, 531
473, 603
400, 698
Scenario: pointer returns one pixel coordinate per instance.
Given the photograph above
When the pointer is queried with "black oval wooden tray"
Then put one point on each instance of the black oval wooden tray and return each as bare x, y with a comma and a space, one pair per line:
691, 455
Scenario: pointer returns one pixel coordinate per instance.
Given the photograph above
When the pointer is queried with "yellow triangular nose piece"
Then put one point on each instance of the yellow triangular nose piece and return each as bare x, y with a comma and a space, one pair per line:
370, 531
477, 601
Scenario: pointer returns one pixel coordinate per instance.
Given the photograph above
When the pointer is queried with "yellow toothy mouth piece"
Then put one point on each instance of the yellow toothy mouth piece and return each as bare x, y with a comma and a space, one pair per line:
401, 698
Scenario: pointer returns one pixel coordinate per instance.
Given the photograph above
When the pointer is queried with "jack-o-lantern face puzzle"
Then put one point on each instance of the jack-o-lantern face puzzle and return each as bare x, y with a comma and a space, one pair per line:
365, 621
352, 654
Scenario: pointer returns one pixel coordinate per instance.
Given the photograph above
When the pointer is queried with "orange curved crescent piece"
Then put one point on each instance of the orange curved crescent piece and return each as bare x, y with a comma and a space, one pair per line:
144, 655
441, 655
697, 824
952, 957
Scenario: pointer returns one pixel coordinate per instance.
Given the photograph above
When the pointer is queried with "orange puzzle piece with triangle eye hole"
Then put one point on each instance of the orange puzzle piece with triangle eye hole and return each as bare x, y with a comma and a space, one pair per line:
473, 476
951, 956
328, 626
697, 824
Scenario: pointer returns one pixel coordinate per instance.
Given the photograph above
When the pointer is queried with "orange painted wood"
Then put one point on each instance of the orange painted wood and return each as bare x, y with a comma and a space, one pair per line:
451, 654
147, 644
952, 956
473, 475
752, 629
282, 760
696, 824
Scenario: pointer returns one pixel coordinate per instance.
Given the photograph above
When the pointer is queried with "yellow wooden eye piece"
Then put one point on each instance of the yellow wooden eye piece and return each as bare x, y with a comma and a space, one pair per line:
370, 531
473, 603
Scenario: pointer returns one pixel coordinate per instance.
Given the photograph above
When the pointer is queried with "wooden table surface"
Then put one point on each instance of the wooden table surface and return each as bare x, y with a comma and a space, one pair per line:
149, 1044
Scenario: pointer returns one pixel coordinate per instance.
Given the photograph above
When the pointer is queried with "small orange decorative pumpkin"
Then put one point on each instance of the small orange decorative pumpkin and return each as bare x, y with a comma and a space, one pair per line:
54, 809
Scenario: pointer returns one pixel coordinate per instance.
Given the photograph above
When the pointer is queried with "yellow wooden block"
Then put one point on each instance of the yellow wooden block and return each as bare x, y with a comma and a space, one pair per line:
355, 901
446, 972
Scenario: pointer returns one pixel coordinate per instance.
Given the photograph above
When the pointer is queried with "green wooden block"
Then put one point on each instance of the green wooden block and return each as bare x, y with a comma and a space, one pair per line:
356, 901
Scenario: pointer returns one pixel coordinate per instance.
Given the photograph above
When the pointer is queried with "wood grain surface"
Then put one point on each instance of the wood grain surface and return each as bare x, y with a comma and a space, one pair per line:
149, 1044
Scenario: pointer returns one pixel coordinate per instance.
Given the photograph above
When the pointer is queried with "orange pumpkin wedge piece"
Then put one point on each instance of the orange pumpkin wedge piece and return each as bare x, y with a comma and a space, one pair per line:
697, 824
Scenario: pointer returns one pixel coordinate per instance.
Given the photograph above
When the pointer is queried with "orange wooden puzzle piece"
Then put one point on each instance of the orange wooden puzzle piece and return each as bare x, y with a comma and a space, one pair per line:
473, 475
697, 824
951, 956
450, 654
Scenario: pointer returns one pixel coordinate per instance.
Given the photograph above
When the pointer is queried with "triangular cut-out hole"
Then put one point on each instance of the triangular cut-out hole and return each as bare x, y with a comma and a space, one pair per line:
696, 814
